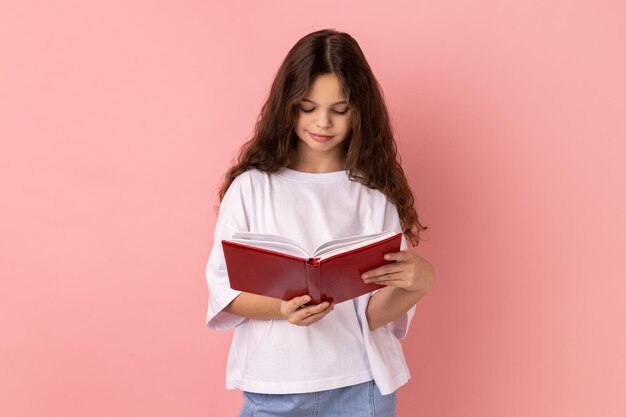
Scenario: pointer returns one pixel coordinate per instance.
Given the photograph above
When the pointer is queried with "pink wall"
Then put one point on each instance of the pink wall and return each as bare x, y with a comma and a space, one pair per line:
117, 120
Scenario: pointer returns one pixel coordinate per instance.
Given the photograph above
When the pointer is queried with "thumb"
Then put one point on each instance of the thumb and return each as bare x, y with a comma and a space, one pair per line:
301, 301
292, 305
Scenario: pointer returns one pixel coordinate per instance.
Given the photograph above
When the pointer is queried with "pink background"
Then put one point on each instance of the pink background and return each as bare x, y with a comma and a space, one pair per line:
118, 119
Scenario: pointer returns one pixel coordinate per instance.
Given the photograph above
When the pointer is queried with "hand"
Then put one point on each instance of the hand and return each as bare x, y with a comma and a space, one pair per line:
295, 311
409, 271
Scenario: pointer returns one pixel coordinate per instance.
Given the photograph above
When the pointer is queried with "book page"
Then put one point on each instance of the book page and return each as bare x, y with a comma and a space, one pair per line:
347, 240
346, 244
272, 242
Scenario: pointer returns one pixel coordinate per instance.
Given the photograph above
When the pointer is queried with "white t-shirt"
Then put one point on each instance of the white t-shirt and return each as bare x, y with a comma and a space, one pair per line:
275, 356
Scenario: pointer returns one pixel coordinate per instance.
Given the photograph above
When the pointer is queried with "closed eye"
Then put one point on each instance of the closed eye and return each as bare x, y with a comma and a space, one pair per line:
334, 111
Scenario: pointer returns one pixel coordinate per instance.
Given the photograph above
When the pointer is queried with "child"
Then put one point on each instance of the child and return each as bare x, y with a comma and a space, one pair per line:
320, 166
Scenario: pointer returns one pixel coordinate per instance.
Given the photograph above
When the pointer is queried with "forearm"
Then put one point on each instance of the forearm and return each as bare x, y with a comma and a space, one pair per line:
415, 278
390, 303
254, 306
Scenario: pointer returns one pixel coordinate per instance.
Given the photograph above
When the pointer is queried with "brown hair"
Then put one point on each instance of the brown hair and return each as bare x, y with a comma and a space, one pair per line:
370, 150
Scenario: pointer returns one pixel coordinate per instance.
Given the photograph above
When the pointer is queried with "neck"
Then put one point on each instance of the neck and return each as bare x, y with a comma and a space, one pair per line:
317, 165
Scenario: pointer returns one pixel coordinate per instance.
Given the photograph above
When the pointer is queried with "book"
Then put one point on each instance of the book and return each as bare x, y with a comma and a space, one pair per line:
279, 267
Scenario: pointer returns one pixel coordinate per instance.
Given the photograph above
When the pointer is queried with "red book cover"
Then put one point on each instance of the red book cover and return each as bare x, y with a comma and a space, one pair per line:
333, 273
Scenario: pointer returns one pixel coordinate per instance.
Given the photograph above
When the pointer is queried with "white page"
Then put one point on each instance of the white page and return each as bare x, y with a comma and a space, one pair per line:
269, 241
348, 240
290, 247
340, 248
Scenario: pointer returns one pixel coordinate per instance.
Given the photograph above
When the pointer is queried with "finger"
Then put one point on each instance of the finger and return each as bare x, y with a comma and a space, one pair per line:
395, 283
383, 270
402, 255
294, 304
384, 278
377, 271
314, 317
309, 311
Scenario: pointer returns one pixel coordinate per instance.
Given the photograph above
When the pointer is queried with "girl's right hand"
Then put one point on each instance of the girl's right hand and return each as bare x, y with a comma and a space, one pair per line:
295, 311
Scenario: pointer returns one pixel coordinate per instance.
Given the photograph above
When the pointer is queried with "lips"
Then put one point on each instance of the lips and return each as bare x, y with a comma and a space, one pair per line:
320, 138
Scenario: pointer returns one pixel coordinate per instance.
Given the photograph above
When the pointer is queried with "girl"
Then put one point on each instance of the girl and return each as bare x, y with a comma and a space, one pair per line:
321, 165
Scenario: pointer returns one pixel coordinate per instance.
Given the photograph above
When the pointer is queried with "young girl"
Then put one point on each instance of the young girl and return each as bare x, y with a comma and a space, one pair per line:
320, 166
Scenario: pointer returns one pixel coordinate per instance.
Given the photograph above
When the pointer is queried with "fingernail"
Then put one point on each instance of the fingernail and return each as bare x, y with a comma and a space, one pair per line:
387, 256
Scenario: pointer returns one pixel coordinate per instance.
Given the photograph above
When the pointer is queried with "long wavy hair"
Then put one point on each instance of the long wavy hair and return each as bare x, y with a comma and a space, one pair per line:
370, 150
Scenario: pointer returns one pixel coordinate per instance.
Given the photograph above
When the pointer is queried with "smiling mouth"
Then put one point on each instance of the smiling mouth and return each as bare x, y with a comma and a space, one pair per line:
320, 138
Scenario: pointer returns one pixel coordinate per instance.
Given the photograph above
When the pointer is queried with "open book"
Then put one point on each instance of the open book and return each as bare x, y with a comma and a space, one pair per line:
279, 267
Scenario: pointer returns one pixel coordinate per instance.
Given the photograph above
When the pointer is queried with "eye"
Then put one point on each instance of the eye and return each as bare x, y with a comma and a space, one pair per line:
334, 111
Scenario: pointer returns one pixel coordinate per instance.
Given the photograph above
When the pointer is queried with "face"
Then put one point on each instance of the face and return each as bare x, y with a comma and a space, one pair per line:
323, 111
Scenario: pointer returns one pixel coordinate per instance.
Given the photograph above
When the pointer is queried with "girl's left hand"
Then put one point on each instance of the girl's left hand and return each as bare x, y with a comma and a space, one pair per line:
409, 271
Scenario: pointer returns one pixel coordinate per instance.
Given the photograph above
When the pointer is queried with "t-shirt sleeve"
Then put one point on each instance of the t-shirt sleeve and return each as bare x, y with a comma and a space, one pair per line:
220, 293
231, 218
400, 326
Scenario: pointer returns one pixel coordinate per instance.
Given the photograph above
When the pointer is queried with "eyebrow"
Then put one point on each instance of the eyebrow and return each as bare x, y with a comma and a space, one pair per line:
311, 101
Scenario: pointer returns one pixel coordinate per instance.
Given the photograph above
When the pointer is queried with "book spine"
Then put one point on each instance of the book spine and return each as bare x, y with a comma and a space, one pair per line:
313, 280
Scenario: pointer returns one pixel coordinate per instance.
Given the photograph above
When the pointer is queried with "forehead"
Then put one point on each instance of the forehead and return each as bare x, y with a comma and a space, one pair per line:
325, 89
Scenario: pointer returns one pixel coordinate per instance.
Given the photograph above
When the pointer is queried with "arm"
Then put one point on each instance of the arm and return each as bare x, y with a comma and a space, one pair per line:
255, 306
389, 304
408, 280
295, 310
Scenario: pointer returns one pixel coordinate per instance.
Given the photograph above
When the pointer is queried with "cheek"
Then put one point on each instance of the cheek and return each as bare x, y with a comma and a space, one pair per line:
346, 125
301, 123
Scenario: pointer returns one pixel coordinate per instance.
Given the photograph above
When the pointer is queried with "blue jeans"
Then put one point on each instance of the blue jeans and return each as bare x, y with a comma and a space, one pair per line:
360, 400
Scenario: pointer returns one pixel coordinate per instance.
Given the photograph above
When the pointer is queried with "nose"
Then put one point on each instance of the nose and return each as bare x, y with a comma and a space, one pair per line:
323, 121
